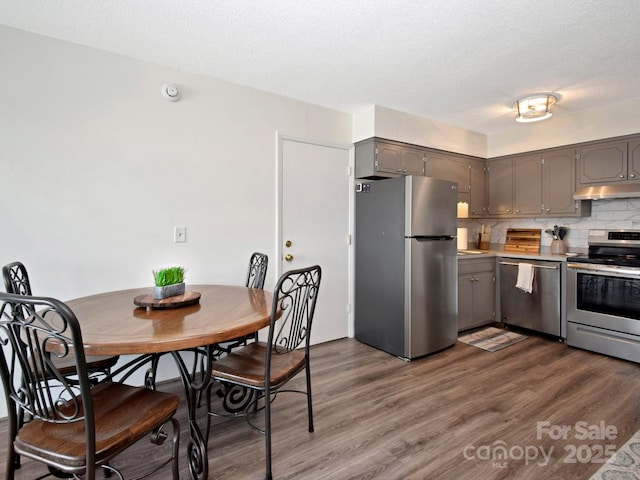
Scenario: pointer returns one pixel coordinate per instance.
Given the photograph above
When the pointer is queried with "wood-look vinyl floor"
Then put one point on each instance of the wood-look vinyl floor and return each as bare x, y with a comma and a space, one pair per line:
439, 417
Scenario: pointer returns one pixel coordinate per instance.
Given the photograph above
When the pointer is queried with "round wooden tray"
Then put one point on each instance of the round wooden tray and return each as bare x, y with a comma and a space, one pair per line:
147, 301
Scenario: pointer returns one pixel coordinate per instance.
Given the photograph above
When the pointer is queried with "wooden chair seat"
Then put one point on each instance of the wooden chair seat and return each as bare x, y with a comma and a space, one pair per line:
247, 366
123, 414
67, 365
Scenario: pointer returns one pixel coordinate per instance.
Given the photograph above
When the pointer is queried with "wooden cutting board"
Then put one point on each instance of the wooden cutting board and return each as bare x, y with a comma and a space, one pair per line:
523, 240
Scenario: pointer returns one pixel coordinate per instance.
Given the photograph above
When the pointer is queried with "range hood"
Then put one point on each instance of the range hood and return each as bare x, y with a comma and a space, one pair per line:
626, 190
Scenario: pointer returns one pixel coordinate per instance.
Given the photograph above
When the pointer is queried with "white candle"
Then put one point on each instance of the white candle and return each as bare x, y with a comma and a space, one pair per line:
463, 210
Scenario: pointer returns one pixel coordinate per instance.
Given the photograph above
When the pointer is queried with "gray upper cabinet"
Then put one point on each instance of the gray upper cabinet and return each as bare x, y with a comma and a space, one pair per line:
477, 195
468, 172
634, 159
448, 166
543, 184
559, 183
605, 163
378, 158
527, 189
500, 186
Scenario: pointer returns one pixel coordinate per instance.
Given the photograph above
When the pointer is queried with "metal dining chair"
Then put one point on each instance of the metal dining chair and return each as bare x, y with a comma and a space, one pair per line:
258, 263
75, 427
16, 280
265, 368
257, 270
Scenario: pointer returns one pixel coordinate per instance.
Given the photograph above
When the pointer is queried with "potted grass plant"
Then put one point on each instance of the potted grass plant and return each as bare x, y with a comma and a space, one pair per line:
169, 282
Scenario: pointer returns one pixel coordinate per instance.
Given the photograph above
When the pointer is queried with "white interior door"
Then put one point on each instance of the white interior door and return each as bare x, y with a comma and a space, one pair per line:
315, 225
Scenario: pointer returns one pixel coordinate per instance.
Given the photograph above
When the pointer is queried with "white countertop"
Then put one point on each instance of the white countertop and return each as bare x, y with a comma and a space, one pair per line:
498, 250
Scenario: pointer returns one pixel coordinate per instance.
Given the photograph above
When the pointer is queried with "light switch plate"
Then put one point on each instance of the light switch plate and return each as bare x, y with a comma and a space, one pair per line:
179, 234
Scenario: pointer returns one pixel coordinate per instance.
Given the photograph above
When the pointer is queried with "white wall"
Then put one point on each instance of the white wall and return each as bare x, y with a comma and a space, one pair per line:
610, 122
97, 168
384, 122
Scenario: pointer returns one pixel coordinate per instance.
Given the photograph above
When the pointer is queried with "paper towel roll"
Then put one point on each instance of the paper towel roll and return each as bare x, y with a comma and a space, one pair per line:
462, 238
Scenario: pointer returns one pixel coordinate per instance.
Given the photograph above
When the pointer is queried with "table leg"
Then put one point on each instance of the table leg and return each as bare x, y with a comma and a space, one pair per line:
194, 381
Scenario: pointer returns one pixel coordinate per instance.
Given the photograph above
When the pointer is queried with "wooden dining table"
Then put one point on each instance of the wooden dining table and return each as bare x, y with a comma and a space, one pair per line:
112, 324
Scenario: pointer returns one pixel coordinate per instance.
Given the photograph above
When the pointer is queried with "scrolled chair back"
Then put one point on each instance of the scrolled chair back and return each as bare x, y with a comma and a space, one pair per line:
293, 308
16, 278
34, 331
258, 264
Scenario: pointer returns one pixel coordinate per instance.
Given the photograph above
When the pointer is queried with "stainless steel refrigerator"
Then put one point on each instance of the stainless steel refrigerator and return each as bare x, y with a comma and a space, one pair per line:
406, 267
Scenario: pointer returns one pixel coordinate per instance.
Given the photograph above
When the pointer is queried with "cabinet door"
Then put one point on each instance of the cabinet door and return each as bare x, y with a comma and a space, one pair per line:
449, 167
602, 163
413, 161
484, 306
465, 302
634, 160
500, 184
559, 182
388, 158
477, 188
527, 174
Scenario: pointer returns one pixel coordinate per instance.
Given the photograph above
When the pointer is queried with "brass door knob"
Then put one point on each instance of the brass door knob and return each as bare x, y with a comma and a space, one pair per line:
288, 257
287, 243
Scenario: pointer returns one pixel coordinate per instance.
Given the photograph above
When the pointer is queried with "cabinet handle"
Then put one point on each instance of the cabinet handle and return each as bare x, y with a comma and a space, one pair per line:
633, 175
517, 211
548, 210
621, 176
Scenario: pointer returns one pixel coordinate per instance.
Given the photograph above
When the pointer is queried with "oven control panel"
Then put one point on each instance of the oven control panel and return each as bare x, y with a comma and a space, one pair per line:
614, 237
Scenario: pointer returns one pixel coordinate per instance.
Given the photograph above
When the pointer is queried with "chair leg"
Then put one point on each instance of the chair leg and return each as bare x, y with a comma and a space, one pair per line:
176, 449
309, 401
13, 463
267, 434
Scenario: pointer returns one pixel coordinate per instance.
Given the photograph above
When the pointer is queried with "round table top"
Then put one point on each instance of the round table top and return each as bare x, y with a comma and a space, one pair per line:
111, 324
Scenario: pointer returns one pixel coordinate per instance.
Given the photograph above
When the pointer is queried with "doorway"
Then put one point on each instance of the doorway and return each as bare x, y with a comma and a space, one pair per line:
315, 217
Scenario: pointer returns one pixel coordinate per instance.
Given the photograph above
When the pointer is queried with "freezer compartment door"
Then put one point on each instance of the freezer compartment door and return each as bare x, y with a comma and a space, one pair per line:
431, 207
431, 302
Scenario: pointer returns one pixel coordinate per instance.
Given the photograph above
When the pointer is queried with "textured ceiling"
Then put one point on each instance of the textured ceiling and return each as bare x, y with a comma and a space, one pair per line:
462, 62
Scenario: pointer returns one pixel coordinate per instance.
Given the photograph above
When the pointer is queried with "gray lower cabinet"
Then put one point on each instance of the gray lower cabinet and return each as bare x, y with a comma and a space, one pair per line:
379, 158
476, 292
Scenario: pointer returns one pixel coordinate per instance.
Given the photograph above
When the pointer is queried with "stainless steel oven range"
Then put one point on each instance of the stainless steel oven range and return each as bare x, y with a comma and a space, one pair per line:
603, 295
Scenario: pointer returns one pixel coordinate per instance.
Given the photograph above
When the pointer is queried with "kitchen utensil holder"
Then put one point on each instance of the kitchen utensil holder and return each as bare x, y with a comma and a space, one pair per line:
558, 247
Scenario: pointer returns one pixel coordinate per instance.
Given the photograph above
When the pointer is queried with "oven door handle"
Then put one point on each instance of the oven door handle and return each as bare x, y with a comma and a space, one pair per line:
533, 265
596, 269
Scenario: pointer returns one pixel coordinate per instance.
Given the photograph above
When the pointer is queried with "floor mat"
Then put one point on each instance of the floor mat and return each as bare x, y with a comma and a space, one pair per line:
625, 463
492, 338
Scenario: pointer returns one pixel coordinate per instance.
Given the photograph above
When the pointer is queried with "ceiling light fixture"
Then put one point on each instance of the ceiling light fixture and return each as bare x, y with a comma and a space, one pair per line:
534, 108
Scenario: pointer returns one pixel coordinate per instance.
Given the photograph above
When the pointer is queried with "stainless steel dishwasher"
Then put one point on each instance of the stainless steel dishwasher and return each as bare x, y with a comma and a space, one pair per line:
538, 310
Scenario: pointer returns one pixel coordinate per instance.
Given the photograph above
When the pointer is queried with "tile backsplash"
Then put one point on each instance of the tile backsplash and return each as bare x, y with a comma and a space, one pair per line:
618, 213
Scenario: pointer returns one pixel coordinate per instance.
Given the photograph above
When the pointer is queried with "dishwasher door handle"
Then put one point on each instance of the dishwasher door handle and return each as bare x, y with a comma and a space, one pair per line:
533, 265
